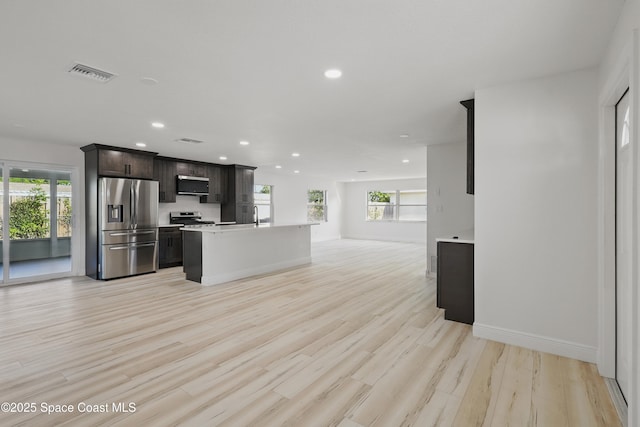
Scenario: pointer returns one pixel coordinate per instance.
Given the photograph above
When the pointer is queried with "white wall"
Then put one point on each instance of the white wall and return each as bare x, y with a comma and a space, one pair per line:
535, 214
619, 68
32, 153
449, 207
354, 202
290, 201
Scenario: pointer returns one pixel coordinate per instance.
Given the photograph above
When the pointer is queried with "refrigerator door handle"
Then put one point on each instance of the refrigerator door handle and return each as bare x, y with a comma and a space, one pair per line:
128, 233
131, 210
137, 196
135, 206
118, 248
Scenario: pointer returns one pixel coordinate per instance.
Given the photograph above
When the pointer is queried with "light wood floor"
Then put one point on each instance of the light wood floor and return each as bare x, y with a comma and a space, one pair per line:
352, 340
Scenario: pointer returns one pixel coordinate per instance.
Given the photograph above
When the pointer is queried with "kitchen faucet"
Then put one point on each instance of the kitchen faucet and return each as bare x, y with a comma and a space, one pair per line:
255, 215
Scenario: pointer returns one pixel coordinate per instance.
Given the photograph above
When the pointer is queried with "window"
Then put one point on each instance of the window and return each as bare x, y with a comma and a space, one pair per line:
397, 205
262, 199
63, 208
381, 205
317, 205
29, 214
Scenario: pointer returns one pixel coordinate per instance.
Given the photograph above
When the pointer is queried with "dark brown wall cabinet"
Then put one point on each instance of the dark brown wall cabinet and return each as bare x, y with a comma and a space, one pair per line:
218, 183
125, 164
239, 206
105, 160
166, 169
469, 105
455, 291
165, 172
191, 169
170, 246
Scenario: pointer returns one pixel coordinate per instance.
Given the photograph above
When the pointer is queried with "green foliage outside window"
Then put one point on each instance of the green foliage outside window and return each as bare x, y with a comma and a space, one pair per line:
316, 205
379, 196
64, 217
28, 216
379, 206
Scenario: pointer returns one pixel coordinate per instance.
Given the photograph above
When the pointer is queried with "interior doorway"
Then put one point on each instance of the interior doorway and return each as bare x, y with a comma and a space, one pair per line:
623, 242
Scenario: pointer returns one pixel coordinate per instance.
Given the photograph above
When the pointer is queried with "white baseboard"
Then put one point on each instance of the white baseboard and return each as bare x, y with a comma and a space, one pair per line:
216, 279
536, 342
381, 239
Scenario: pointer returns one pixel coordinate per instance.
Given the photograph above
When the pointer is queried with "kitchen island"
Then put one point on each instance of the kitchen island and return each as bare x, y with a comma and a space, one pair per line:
222, 253
455, 283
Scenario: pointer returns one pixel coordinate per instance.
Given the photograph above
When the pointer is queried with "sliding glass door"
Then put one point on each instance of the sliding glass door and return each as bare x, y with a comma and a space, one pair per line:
36, 222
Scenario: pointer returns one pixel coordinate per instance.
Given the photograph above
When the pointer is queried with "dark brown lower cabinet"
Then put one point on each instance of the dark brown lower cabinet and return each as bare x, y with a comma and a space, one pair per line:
170, 247
193, 256
455, 281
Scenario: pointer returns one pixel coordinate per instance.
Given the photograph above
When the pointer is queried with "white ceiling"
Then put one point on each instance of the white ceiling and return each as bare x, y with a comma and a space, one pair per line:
253, 70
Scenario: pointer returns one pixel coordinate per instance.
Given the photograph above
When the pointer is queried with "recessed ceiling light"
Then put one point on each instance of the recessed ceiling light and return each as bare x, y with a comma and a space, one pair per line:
157, 125
333, 73
223, 157
278, 167
296, 171
140, 144
295, 154
404, 135
244, 142
405, 161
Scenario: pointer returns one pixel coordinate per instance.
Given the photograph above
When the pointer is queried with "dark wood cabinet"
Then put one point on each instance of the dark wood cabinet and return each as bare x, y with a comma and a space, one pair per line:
193, 256
169, 246
218, 178
167, 168
125, 164
191, 169
455, 285
239, 206
469, 105
165, 171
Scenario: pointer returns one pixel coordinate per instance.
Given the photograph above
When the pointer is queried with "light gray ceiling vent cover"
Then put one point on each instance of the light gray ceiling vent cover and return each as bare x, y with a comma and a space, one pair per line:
189, 141
91, 73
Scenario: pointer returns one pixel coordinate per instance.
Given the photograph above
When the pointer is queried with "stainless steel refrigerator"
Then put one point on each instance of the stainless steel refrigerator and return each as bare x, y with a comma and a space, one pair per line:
128, 227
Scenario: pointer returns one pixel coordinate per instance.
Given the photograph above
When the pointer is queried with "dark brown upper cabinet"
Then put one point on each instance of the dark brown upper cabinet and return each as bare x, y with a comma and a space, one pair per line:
191, 169
469, 105
218, 178
121, 162
165, 172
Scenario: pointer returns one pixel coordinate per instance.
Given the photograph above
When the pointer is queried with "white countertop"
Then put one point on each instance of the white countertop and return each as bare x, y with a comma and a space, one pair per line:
171, 225
245, 227
466, 236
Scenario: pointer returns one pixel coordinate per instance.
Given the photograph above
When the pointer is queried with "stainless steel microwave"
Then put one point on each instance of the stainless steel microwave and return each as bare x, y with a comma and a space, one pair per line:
192, 185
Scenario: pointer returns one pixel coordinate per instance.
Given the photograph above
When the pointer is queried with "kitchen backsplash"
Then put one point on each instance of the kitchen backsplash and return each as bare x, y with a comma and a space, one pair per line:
210, 212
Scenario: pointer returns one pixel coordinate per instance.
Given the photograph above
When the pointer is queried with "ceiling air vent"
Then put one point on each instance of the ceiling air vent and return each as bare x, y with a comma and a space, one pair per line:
189, 141
91, 73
